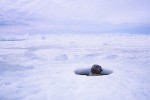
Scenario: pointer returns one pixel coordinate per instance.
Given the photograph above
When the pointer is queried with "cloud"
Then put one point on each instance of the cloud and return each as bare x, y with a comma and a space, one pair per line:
15, 12
74, 14
114, 11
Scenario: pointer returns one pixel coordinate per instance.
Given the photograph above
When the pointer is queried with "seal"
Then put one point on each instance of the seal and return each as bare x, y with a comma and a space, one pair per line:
95, 70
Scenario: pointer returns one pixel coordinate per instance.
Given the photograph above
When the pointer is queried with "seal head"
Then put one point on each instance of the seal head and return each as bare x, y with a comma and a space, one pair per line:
96, 69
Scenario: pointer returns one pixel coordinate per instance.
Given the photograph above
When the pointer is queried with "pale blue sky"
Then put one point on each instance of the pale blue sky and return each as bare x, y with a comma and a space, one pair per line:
93, 16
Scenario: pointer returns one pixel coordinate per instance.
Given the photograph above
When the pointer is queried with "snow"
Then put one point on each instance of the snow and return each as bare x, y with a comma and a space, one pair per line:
41, 67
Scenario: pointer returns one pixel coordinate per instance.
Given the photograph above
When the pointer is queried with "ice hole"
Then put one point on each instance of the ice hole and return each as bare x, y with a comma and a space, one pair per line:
86, 71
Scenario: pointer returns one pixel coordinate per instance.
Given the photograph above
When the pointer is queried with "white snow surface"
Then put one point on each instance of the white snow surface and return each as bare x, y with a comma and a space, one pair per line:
41, 67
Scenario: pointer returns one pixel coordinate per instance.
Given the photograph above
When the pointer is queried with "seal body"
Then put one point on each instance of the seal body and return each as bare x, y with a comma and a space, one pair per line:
96, 70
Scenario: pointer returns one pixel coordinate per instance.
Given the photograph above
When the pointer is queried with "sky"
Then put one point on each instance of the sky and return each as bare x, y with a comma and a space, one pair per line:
79, 16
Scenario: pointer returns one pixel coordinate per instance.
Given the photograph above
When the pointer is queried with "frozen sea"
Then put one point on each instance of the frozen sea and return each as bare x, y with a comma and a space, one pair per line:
41, 66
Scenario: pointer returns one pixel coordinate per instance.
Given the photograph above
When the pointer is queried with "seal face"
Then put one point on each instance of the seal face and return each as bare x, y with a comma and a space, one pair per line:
96, 69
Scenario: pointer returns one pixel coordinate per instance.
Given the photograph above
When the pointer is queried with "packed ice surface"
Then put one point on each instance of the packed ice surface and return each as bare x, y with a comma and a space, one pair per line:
41, 67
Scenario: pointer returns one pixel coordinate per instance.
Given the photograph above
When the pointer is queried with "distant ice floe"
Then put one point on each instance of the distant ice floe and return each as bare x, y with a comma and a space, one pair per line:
11, 39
